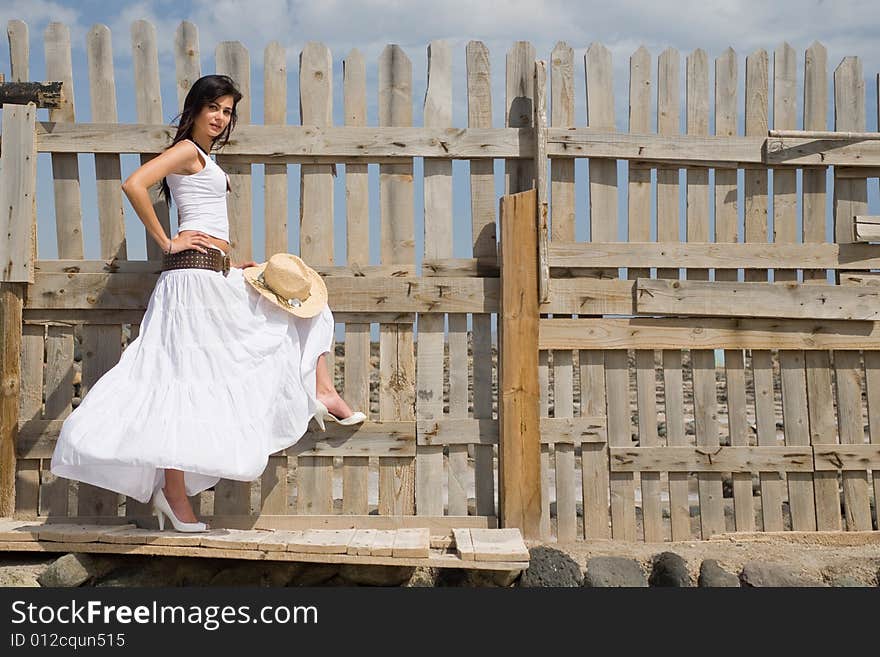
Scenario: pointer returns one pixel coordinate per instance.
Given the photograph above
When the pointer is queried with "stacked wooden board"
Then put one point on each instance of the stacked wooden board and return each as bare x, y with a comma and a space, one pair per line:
492, 549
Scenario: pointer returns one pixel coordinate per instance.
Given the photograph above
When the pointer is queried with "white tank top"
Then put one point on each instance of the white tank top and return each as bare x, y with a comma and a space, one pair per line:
201, 199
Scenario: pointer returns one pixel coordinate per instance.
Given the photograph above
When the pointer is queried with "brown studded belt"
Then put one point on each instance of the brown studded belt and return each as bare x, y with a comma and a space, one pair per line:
194, 259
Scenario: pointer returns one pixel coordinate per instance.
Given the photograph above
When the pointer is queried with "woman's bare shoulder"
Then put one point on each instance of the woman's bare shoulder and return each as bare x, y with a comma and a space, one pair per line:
182, 158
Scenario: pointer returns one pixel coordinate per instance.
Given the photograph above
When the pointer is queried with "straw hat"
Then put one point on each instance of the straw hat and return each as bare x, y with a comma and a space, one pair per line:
290, 284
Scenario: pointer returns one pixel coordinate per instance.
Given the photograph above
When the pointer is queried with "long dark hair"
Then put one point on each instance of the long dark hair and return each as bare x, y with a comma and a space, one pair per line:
206, 89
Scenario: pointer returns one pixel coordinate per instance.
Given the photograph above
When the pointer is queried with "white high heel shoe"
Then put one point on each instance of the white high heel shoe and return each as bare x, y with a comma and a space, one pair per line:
321, 413
161, 508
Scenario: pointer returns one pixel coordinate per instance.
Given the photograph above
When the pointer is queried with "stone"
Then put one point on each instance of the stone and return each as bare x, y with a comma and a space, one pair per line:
846, 581
12, 577
492, 578
670, 569
712, 575
614, 571
423, 577
255, 574
549, 567
760, 574
363, 575
75, 569
314, 574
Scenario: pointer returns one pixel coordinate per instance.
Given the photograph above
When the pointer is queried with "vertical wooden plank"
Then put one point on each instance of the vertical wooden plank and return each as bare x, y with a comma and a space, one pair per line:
482, 184
544, 411
314, 480
755, 198
872, 390
102, 91
233, 59
11, 301
818, 363
563, 213
668, 122
791, 363
673, 400
639, 230
850, 199
55, 491
274, 493
187, 59
520, 492
438, 244
603, 228
18, 35
355, 470
519, 111
726, 230
65, 167
756, 179
702, 360
111, 217
771, 482
27, 471
396, 355
18, 162
148, 101
101, 349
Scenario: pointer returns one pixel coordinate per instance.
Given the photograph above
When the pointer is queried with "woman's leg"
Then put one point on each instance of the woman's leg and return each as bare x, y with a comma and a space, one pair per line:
175, 493
327, 391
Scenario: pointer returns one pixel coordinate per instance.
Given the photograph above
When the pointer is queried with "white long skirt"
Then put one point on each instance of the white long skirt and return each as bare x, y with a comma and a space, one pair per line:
218, 379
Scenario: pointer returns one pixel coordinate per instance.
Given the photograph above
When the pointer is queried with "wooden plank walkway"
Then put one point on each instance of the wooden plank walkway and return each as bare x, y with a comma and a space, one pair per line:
484, 549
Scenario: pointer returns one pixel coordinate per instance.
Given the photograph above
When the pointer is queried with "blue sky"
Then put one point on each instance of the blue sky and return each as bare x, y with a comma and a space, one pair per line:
845, 28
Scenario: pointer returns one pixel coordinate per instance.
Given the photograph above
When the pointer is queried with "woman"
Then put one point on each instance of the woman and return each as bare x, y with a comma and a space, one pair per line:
224, 371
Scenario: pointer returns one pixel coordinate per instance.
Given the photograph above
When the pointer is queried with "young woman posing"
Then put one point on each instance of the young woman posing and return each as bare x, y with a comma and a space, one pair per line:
230, 362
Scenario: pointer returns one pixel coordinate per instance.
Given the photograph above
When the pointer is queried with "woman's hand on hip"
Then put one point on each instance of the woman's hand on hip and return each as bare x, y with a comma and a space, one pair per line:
190, 240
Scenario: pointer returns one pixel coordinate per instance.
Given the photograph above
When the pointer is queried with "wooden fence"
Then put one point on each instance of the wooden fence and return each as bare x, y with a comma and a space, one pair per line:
599, 377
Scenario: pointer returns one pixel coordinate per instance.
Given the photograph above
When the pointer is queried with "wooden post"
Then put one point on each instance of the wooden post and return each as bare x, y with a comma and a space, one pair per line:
18, 161
519, 441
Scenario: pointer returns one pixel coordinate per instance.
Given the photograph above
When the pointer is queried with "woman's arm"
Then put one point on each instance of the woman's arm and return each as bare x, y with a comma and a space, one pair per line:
182, 158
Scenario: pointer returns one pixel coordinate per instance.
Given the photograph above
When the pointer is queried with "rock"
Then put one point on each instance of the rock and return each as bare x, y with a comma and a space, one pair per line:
376, 575
255, 574
314, 574
846, 581
492, 578
77, 377
10, 577
551, 568
712, 575
669, 569
614, 571
423, 577
760, 574
74, 569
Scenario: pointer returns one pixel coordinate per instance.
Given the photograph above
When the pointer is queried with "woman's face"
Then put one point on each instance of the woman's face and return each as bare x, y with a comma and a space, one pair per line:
215, 116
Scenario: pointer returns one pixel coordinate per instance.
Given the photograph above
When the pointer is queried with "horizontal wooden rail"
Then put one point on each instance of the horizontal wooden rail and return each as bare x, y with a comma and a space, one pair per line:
711, 459
443, 267
277, 144
714, 255
37, 438
315, 144
466, 431
822, 152
735, 299
867, 229
706, 333
823, 134
847, 457
353, 294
